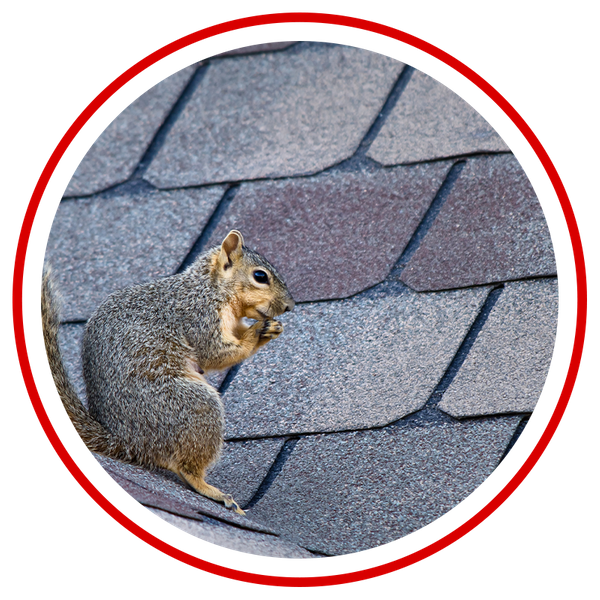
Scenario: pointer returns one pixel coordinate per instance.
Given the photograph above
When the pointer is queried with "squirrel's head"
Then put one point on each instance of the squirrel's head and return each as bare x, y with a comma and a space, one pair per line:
253, 281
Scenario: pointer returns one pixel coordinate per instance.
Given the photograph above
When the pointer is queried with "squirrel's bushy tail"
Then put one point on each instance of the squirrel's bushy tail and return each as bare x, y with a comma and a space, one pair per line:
95, 436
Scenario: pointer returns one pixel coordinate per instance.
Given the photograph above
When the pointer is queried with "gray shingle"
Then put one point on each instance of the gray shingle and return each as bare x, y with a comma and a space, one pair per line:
275, 114
243, 466
430, 121
508, 363
347, 492
235, 538
100, 244
349, 364
116, 153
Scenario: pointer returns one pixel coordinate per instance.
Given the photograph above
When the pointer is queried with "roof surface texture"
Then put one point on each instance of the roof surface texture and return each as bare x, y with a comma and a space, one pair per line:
415, 248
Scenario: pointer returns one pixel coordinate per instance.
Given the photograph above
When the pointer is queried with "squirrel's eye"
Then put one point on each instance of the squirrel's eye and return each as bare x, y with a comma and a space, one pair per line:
260, 276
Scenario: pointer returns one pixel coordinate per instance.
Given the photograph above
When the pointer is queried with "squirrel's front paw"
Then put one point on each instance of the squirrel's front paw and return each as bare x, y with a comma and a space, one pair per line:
270, 329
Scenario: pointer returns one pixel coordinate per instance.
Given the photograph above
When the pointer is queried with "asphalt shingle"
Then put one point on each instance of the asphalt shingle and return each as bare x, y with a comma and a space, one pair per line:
349, 364
430, 121
100, 244
243, 466
347, 492
276, 114
491, 228
235, 538
335, 234
117, 152
508, 363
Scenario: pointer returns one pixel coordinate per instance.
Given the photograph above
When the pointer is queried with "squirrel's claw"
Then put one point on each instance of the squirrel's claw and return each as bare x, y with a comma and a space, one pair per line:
231, 503
270, 329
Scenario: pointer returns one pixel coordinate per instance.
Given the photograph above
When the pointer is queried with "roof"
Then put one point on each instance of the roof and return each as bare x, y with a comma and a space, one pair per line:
413, 243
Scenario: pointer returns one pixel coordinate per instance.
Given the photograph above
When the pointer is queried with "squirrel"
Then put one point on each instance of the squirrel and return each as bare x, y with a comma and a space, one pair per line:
146, 349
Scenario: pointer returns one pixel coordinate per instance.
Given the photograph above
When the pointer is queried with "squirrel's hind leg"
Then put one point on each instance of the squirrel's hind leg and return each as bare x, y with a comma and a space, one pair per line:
210, 491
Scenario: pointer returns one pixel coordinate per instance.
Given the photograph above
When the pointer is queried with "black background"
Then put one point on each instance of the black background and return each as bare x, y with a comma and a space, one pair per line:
54, 63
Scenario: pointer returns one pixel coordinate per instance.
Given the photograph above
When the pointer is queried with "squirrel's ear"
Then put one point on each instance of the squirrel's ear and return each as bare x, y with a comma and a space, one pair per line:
231, 248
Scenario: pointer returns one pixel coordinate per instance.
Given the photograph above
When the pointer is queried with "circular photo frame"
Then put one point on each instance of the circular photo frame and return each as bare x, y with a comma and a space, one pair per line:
512, 474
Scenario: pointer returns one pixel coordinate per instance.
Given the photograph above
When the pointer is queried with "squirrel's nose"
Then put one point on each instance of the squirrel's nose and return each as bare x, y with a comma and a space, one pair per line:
290, 305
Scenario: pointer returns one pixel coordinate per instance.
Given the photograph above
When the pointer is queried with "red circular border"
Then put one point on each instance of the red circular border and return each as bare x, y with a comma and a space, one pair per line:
333, 20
